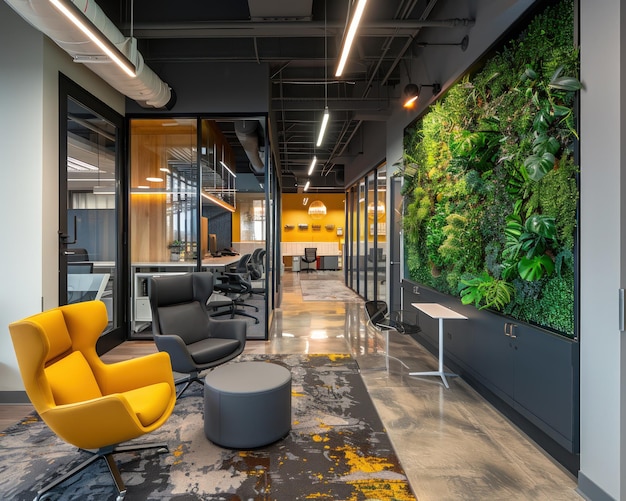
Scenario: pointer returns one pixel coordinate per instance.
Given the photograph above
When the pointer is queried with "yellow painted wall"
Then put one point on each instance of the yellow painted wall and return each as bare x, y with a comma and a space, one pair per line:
295, 213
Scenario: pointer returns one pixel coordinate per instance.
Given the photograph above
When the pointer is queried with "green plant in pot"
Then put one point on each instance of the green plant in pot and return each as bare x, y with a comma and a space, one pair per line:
176, 248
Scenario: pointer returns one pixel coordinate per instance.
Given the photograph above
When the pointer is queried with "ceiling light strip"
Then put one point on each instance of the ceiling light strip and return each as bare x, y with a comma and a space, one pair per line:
323, 127
349, 38
74, 14
313, 162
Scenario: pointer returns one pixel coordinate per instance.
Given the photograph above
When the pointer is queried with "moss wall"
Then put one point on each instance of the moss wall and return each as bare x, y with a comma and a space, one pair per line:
491, 180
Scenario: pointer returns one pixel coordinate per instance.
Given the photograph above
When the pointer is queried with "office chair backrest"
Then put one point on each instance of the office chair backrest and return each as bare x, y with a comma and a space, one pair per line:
376, 311
77, 254
257, 255
310, 254
178, 304
242, 264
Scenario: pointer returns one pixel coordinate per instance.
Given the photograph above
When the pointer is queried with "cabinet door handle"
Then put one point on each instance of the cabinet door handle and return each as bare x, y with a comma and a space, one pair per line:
506, 329
512, 331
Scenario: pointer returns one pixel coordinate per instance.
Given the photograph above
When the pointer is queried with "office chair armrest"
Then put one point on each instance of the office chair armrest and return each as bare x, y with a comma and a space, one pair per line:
178, 351
135, 373
229, 329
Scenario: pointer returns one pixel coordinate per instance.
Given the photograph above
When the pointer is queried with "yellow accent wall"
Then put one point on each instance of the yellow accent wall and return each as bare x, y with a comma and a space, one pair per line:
295, 213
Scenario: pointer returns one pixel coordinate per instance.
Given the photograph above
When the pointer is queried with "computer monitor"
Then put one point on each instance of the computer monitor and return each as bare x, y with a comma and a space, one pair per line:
212, 243
79, 267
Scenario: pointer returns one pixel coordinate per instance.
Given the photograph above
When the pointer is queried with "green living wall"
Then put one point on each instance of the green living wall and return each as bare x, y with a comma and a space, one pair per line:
491, 180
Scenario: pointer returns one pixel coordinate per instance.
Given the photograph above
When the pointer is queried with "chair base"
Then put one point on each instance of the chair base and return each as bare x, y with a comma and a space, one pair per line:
187, 380
236, 311
107, 455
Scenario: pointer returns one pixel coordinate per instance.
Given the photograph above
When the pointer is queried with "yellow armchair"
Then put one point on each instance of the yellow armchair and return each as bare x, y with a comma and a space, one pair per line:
87, 403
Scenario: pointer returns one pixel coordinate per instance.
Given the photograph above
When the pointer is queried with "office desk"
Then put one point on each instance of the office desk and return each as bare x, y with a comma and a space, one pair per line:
219, 264
440, 312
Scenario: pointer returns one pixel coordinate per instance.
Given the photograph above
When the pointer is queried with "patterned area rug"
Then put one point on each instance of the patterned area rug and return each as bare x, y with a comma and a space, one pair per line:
327, 290
337, 450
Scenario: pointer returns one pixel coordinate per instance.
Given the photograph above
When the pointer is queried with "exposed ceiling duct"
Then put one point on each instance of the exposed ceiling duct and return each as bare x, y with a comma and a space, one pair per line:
248, 132
146, 87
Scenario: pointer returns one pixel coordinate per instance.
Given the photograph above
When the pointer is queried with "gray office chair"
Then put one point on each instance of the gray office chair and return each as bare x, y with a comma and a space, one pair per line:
182, 326
310, 256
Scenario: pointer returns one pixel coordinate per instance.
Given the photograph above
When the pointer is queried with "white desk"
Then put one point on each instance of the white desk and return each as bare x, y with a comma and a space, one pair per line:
436, 310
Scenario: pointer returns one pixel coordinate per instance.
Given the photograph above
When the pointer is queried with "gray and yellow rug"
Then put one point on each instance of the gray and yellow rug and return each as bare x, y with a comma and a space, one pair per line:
337, 450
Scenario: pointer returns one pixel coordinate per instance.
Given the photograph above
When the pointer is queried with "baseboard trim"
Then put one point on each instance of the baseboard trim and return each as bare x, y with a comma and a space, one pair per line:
14, 397
589, 490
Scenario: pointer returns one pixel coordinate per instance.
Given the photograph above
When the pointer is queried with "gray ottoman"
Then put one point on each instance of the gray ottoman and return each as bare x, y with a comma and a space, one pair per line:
247, 404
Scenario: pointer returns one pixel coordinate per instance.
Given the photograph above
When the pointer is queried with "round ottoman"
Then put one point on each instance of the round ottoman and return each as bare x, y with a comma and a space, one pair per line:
247, 404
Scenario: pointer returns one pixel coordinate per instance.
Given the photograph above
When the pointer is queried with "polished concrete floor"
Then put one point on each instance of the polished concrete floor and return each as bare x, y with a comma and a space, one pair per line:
452, 444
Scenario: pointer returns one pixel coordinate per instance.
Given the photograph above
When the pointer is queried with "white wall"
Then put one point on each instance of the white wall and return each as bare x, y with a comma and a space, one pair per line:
20, 181
603, 452
29, 173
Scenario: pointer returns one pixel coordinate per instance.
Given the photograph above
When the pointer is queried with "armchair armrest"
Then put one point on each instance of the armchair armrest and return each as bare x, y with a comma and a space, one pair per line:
229, 329
135, 373
179, 353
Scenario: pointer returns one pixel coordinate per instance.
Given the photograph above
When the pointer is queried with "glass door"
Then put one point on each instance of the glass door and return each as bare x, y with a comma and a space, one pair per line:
90, 223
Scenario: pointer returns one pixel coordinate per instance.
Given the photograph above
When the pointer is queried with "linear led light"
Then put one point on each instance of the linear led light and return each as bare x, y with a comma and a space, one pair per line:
313, 162
219, 202
306, 186
349, 38
226, 167
74, 14
325, 118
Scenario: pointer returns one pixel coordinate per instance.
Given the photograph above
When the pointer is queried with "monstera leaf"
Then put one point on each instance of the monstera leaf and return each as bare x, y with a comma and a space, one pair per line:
538, 166
534, 268
544, 226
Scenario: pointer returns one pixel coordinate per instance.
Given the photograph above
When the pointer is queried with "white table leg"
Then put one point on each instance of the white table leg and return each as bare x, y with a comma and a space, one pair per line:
440, 372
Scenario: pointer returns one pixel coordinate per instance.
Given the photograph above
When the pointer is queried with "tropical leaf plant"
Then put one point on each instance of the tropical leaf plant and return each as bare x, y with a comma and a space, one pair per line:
535, 268
485, 291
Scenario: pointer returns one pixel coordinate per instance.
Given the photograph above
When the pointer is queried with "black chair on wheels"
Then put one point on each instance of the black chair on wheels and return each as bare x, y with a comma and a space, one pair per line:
237, 285
401, 321
310, 256
182, 326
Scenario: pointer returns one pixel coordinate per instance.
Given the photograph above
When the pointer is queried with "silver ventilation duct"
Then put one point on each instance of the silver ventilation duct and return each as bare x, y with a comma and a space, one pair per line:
248, 133
146, 87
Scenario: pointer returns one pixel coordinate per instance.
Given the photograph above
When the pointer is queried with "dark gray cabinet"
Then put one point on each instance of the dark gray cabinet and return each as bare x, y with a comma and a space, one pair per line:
531, 373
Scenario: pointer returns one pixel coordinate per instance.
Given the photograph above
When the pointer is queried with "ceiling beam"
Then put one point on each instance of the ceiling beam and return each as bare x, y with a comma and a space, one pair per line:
295, 29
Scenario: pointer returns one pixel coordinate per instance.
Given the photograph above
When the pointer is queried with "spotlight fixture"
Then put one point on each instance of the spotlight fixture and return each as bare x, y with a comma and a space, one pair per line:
411, 93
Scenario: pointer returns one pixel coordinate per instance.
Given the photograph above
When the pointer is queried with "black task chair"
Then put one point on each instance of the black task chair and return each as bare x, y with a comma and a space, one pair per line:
403, 322
310, 256
256, 272
182, 326
236, 286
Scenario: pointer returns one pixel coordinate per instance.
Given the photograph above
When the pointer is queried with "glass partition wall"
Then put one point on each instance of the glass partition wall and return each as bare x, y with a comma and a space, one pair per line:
366, 249
186, 213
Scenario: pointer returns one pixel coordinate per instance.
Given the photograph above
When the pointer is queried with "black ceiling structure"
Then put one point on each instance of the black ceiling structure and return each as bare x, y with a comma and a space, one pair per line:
300, 40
